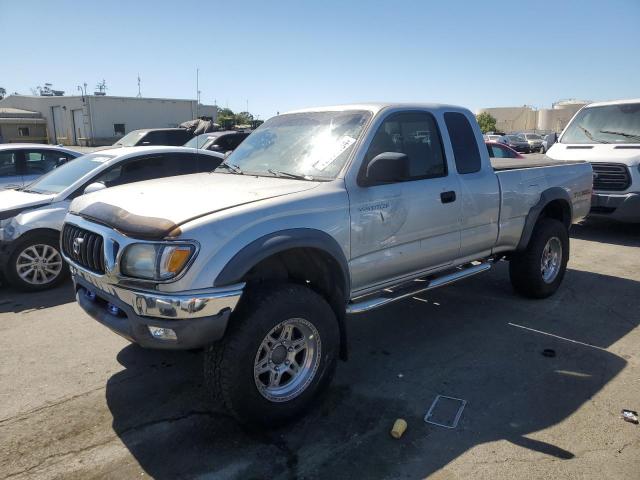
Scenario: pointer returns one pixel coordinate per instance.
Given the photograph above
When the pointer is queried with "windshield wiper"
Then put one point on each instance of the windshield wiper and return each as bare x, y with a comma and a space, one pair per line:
277, 173
622, 134
590, 135
231, 167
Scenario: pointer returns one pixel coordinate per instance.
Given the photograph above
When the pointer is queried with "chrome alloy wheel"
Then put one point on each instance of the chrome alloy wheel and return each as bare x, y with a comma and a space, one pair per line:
39, 264
551, 260
287, 360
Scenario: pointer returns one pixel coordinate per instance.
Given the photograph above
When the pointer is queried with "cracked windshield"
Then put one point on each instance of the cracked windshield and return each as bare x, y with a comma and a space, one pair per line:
308, 146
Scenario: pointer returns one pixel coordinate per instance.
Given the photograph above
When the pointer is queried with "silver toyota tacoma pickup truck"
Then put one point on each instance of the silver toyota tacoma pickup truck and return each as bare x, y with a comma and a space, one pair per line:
318, 214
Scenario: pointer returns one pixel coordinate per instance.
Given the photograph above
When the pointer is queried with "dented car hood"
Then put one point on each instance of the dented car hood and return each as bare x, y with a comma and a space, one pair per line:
156, 208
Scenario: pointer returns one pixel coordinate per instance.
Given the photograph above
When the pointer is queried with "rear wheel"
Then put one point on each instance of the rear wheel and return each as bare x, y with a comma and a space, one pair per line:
36, 263
279, 352
538, 271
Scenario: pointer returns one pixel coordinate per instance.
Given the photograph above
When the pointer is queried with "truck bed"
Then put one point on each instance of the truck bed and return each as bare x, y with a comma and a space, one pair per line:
533, 160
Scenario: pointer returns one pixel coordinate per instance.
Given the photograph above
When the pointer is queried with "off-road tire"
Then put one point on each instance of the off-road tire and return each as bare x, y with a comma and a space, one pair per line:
229, 363
525, 267
10, 269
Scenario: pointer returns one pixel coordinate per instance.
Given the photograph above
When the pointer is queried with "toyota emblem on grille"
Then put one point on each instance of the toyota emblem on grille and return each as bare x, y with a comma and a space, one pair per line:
77, 243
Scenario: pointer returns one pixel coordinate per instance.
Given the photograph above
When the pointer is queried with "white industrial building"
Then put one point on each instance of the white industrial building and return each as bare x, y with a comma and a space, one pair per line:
100, 120
527, 119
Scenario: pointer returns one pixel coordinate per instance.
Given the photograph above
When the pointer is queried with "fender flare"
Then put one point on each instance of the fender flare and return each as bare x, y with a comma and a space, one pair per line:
277, 242
546, 197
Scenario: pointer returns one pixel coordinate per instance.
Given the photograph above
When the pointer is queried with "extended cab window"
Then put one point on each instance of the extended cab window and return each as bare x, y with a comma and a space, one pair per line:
416, 135
463, 141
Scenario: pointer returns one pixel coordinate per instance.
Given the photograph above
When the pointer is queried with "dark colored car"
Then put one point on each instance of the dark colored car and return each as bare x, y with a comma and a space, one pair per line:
221, 142
174, 137
500, 150
516, 142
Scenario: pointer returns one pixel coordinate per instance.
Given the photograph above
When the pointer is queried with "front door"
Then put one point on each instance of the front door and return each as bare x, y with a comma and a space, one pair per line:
403, 228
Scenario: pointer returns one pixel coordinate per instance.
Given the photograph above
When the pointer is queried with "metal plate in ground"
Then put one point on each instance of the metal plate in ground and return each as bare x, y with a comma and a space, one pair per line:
445, 411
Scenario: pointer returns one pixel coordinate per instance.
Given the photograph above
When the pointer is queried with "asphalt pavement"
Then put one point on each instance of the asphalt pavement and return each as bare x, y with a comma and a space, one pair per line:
544, 383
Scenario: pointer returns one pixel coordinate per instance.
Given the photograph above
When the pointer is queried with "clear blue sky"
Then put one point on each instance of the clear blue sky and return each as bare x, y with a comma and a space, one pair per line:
281, 55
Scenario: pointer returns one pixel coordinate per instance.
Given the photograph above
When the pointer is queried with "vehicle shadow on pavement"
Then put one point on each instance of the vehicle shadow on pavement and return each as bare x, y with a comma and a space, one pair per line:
486, 349
607, 231
12, 300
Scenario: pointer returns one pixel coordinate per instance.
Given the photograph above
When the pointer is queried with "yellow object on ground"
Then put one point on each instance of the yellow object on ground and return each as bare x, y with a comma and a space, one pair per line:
399, 426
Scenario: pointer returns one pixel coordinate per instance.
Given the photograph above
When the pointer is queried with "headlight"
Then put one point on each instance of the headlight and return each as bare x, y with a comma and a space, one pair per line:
154, 261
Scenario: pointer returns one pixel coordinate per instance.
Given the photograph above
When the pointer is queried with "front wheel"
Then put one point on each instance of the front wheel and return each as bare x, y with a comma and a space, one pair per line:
538, 271
36, 263
279, 352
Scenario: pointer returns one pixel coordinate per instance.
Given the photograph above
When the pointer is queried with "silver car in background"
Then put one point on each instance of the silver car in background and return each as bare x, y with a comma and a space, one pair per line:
534, 140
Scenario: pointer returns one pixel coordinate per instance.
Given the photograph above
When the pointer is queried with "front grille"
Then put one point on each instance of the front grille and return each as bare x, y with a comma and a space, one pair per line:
610, 176
88, 247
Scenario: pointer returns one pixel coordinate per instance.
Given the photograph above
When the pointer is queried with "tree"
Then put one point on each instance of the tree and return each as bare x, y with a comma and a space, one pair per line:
225, 112
487, 122
3, 92
244, 118
226, 118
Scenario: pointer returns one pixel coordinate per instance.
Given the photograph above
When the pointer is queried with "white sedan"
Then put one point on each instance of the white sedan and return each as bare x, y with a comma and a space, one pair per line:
31, 217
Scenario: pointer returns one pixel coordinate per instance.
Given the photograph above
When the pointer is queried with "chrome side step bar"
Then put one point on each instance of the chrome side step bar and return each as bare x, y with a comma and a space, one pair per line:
415, 287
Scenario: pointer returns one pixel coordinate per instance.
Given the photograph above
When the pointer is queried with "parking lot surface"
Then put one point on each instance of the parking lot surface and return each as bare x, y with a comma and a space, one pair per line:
77, 401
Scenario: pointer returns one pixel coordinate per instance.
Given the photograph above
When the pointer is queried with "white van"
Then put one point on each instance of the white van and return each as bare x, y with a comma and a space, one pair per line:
607, 135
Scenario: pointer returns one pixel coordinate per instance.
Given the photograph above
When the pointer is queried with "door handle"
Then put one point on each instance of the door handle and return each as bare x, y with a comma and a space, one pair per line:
448, 197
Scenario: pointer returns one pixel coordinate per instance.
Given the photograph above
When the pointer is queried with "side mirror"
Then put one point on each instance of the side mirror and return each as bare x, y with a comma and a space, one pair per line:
61, 161
387, 167
94, 187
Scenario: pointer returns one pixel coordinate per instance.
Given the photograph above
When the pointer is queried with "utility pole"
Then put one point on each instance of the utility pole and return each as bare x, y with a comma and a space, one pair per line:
197, 92
139, 91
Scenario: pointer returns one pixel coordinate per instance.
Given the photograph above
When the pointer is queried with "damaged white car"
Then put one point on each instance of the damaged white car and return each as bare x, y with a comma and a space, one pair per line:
31, 217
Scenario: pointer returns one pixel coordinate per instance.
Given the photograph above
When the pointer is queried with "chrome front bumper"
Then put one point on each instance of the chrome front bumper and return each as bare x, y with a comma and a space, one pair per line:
137, 311
183, 305
191, 319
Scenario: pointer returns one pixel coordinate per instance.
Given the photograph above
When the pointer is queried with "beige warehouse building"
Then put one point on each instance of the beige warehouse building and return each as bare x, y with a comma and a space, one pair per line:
101, 120
527, 119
